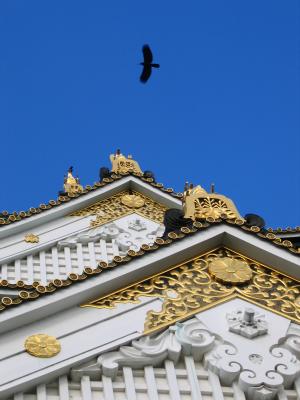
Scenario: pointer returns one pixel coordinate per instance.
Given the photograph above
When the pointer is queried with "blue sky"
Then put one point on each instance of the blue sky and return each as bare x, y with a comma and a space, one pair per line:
223, 108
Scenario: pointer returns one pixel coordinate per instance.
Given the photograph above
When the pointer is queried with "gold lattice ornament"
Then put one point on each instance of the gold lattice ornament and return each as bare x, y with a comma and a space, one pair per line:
42, 345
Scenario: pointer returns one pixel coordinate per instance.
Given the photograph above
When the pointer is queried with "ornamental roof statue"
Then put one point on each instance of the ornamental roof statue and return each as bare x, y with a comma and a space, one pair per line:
71, 184
198, 204
123, 165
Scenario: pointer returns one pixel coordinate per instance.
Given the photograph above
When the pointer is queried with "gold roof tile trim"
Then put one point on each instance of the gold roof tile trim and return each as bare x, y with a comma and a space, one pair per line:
190, 287
288, 229
36, 289
121, 204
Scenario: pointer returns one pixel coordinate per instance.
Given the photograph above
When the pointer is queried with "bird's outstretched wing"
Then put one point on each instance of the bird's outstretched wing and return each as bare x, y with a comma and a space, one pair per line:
148, 57
145, 75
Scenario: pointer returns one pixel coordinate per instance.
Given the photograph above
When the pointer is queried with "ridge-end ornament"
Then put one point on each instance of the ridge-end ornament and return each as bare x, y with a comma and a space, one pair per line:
230, 270
124, 165
71, 184
199, 204
42, 345
31, 238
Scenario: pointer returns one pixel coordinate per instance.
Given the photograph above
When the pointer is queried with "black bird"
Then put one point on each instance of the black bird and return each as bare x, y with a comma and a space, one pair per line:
148, 58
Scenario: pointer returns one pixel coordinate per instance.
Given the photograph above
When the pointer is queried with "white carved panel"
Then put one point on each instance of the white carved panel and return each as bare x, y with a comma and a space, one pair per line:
84, 249
186, 361
191, 380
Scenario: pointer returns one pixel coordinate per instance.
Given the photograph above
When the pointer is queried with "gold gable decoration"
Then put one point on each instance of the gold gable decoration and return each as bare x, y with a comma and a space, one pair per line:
190, 287
198, 204
123, 165
121, 204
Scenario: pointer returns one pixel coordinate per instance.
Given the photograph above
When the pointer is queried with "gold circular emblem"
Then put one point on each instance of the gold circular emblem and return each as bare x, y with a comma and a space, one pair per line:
230, 270
42, 345
132, 201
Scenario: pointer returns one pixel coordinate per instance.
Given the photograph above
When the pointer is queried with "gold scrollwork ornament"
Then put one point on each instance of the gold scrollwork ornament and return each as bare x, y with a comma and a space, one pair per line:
42, 345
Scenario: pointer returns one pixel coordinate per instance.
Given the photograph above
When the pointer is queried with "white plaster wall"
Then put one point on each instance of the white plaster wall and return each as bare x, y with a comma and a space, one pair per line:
43, 264
82, 332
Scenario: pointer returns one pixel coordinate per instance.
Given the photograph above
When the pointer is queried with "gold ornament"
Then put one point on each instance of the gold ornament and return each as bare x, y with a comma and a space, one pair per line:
230, 270
132, 201
123, 165
71, 184
31, 238
113, 208
189, 288
42, 345
198, 204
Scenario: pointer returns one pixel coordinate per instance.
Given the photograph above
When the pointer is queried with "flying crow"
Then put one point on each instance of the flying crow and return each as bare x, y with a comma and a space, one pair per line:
148, 58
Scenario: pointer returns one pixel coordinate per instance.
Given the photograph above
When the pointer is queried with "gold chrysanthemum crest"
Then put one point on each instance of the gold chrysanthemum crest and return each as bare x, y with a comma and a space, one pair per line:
132, 201
42, 345
230, 270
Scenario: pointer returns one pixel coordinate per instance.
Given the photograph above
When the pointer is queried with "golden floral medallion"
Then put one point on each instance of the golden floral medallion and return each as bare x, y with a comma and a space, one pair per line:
31, 238
42, 345
230, 270
132, 201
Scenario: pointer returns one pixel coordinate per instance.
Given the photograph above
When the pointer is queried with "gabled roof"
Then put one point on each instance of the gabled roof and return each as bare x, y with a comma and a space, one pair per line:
35, 291
9, 218
109, 186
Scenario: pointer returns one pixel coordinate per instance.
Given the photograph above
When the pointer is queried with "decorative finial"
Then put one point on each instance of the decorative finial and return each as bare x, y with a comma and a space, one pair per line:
123, 165
212, 188
71, 184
